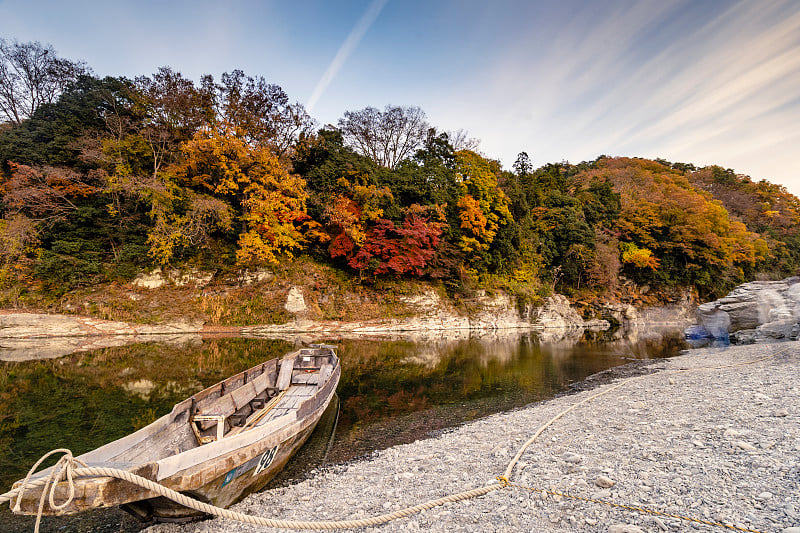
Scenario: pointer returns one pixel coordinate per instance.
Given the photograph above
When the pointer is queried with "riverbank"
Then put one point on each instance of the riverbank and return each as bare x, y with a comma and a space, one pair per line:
719, 445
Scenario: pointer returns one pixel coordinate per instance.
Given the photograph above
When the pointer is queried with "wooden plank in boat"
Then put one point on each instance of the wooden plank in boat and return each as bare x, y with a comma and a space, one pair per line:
324, 373
214, 451
308, 406
152, 448
285, 376
235, 400
293, 402
275, 413
223, 405
301, 379
243, 395
261, 382
297, 391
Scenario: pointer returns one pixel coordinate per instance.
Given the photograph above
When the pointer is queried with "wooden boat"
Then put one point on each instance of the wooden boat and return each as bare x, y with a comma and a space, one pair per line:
218, 446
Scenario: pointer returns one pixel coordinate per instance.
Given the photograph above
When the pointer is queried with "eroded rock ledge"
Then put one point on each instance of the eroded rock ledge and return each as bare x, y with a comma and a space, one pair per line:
759, 311
26, 336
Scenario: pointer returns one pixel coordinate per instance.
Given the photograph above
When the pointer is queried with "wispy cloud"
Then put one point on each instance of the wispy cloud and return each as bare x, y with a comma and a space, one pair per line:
349, 44
688, 82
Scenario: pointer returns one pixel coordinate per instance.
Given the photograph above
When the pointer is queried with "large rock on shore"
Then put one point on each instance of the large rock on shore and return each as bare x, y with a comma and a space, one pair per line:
755, 312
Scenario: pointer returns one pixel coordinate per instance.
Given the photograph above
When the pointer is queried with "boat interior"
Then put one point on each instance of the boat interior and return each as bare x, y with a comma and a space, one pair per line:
240, 403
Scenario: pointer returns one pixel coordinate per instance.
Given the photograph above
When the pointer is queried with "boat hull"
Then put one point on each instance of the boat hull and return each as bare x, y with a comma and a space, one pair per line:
231, 486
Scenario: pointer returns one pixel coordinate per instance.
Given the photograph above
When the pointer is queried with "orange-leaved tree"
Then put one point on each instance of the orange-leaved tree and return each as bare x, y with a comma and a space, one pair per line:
269, 201
675, 229
482, 206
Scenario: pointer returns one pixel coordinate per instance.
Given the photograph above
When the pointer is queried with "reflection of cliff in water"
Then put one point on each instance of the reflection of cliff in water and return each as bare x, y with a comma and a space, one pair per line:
432, 385
29, 349
635, 343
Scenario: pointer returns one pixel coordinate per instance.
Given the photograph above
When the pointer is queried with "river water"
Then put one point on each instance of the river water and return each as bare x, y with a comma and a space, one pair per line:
390, 392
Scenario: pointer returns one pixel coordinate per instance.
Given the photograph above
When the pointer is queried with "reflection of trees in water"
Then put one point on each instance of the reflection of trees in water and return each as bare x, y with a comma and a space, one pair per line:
381, 380
84, 400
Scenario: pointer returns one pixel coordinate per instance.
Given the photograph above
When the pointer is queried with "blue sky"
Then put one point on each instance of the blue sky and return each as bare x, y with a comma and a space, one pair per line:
703, 82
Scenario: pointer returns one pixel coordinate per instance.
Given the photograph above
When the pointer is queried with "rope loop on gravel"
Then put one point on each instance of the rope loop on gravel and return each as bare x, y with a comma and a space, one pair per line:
65, 470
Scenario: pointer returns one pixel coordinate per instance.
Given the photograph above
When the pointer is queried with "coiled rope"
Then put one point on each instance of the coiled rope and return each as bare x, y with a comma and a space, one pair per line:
65, 469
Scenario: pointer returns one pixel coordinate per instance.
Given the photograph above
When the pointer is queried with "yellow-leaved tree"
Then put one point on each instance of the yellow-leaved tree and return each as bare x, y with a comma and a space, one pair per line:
482, 206
269, 201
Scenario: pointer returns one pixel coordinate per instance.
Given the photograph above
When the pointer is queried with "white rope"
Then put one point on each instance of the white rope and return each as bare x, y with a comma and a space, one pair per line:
233, 515
507, 474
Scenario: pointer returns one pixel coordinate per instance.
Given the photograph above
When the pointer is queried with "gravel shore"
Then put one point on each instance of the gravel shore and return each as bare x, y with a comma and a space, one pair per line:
717, 445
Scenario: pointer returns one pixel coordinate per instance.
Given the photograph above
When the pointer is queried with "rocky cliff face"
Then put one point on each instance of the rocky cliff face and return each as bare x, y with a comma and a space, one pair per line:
434, 317
759, 311
429, 316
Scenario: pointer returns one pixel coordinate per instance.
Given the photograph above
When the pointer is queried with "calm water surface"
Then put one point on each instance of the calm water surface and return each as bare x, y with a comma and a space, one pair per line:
390, 391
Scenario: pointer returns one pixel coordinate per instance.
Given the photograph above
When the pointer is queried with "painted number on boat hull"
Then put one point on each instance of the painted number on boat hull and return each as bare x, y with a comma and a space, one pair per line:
265, 460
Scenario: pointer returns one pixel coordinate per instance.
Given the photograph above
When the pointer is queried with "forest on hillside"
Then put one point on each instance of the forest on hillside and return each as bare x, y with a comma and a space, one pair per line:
101, 178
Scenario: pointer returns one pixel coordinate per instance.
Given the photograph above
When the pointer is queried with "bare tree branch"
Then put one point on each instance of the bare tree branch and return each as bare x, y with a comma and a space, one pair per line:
387, 137
460, 140
31, 74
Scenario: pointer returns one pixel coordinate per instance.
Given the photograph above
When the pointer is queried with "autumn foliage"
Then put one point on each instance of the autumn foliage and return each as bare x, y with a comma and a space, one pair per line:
118, 175
404, 249
270, 201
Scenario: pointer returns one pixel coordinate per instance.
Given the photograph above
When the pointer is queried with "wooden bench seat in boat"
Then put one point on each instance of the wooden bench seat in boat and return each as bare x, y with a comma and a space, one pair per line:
233, 409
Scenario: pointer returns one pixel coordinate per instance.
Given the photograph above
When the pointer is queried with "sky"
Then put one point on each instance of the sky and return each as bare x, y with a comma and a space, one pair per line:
708, 82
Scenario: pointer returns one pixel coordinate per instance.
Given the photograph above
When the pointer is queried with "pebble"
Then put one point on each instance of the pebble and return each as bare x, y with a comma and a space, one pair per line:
781, 412
604, 482
652, 451
572, 458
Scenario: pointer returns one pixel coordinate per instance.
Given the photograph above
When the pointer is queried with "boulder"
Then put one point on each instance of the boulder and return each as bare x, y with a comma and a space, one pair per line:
150, 280
158, 278
619, 312
295, 303
755, 312
247, 277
